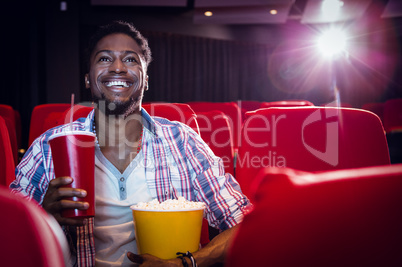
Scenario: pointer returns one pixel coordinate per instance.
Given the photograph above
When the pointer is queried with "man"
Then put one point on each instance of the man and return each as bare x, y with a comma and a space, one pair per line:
138, 158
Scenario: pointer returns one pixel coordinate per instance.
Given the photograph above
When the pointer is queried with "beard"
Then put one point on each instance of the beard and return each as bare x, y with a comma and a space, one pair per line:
117, 108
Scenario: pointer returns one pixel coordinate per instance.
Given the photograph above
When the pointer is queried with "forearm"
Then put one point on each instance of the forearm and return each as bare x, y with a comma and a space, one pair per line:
216, 250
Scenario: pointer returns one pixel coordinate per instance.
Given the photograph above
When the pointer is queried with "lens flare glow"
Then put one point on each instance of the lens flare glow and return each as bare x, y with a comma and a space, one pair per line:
331, 5
332, 42
208, 13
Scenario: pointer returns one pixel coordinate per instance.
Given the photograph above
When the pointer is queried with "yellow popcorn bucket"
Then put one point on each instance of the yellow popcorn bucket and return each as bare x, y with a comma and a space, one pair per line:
163, 233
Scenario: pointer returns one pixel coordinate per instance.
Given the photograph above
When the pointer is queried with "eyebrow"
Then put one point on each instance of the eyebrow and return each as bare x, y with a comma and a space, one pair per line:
110, 51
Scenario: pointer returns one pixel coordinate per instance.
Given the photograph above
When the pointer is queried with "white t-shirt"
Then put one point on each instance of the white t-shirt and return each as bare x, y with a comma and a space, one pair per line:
115, 192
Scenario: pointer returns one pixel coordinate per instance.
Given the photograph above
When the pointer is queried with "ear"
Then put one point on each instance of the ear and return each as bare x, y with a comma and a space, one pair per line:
146, 83
87, 83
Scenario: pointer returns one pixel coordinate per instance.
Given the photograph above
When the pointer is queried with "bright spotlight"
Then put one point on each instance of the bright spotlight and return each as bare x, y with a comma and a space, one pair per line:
330, 5
208, 13
332, 42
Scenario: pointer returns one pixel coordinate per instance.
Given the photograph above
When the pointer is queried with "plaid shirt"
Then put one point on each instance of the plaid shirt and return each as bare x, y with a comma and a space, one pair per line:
177, 163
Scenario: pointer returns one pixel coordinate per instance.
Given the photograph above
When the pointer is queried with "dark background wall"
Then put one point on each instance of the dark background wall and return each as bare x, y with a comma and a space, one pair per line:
42, 52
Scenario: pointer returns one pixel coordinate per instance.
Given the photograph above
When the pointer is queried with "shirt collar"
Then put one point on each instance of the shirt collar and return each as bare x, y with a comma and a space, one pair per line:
147, 120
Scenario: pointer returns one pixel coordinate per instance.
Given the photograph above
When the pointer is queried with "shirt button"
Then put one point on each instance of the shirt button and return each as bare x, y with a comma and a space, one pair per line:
121, 188
122, 179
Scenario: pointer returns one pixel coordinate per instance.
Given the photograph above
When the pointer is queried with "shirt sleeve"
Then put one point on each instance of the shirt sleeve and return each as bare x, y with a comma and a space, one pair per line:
226, 204
34, 171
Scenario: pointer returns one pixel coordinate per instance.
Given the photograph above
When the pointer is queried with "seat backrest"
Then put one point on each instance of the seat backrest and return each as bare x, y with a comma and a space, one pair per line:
13, 137
393, 115
9, 115
231, 110
174, 112
7, 111
38, 118
28, 235
79, 111
286, 103
310, 139
7, 163
249, 105
215, 131
335, 218
376, 108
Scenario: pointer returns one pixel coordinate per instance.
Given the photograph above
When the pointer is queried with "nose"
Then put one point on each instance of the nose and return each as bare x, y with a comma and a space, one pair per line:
117, 66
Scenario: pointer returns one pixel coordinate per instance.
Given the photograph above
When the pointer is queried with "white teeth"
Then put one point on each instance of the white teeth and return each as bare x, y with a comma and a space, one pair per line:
116, 83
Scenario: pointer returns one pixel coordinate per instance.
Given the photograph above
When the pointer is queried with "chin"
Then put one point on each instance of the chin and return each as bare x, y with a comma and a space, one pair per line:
118, 107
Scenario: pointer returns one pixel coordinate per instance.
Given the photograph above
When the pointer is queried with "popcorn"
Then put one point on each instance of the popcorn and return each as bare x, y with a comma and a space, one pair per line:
171, 204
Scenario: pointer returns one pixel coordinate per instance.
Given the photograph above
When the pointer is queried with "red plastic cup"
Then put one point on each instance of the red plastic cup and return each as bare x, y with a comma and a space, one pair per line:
74, 155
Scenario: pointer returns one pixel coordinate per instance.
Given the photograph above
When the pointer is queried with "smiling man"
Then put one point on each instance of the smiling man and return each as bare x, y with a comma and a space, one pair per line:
137, 158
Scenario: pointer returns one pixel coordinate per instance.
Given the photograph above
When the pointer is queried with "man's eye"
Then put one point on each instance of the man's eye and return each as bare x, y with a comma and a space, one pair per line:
104, 59
130, 59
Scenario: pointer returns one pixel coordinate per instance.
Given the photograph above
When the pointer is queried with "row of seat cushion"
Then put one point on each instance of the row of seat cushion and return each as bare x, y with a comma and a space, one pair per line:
333, 218
230, 110
307, 134
30, 236
310, 139
50, 115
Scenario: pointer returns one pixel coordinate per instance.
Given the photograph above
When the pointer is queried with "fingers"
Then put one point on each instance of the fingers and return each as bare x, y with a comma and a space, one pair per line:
55, 188
60, 181
57, 206
71, 221
64, 192
135, 258
58, 198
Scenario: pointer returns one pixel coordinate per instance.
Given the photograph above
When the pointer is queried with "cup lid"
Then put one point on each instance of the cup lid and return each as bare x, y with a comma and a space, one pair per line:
76, 132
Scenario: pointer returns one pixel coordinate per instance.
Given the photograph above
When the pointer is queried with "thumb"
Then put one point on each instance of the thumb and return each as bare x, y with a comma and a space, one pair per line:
135, 258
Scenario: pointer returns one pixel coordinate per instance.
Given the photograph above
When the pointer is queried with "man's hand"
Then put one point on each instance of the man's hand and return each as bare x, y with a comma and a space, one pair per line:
145, 260
55, 200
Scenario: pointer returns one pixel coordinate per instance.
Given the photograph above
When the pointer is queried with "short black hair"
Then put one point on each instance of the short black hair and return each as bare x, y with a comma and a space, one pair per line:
119, 26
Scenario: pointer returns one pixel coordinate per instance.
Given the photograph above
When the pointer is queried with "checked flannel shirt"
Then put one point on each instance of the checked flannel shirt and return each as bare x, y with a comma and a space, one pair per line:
177, 163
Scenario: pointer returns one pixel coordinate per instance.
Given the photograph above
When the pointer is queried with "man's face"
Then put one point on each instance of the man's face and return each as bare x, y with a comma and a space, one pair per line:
117, 74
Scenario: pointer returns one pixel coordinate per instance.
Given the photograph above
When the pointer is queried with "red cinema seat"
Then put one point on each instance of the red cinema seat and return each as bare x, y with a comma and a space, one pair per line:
286, 103
249, 105
174, 112
393, 127
231, 110
29, 236
13, 138
39, 115
310, 139
215, 131
335, 218
8, 112
7, 163
79, 111
376, 108
9, 116
393, 115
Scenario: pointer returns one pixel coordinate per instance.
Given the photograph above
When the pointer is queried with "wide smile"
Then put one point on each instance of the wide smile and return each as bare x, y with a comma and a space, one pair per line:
117, 84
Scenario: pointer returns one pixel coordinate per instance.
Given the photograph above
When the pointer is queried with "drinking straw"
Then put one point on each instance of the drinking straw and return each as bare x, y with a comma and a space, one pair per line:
71, 112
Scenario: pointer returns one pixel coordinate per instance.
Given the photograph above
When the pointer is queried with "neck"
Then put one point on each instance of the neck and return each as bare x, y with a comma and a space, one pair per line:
118, 130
